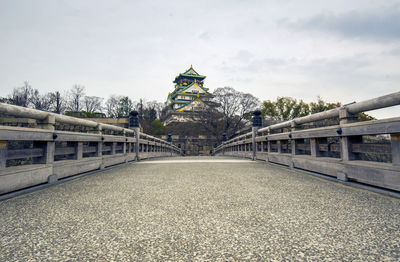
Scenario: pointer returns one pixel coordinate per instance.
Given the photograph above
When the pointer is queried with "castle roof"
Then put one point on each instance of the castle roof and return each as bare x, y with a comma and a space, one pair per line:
190, 73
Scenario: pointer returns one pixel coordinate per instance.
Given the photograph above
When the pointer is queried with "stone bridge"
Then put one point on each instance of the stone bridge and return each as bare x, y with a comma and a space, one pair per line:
200, 209
75, 190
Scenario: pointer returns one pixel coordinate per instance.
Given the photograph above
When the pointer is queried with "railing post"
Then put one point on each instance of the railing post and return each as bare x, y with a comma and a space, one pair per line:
137, 136
293, 142
294, 146
169, 139
124, 143
395, 141
99, 150
279, 146
257, 123
48, 146
253, 142
49, 150
345, 141
3, 154
79, 150
113, 148
223, 141
99, 147
134, 124
314, 146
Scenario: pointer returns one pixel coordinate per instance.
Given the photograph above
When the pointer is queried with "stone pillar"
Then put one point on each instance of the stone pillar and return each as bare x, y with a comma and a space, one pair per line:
78, 150
124, 147
345, 141
293, 143
395, 140
268, 150
137, 135
278, 144
345, 150
48, 146
124, 143
345, 147
134, 125
113, 148
314, 146
256, 124
99, 149
253, 142
49, 150
3, 154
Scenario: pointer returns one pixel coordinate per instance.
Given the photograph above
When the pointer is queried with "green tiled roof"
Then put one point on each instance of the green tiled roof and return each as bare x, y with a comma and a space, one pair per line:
190, 73
193, 77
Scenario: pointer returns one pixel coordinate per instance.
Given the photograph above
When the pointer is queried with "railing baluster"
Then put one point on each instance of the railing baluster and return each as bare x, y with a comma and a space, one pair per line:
314, 146
395, 143
3, 154
78, 150
365, 142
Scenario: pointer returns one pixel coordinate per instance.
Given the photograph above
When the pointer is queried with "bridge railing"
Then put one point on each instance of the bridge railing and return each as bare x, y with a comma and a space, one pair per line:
367, 152
33, 156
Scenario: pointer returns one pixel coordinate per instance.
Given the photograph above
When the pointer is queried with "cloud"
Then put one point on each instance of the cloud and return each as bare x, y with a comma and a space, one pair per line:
380, 24
204, 36
393, 52
340, 65
243, 56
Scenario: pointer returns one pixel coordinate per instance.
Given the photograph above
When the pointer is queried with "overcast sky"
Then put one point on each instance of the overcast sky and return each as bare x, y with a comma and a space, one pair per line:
340, 50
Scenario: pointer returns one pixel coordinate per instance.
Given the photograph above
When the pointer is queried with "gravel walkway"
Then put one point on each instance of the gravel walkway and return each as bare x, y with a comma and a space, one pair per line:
200, 211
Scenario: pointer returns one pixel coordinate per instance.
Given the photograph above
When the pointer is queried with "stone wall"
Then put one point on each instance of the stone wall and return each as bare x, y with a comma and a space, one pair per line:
194, 145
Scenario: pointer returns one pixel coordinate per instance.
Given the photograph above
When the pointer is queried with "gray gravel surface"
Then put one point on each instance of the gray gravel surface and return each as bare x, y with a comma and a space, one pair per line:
200, 211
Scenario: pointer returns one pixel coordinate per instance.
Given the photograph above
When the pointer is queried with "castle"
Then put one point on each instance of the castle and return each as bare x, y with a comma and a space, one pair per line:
189, 98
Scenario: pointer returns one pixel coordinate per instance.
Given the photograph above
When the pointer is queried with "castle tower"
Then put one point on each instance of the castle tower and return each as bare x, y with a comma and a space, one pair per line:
189, 97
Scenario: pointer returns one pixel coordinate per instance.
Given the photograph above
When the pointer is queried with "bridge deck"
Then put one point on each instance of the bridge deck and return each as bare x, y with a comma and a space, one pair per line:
200, 210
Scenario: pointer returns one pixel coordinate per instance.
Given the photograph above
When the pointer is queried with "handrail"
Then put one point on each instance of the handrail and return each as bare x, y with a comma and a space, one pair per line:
19, 111
367, 152
364, 106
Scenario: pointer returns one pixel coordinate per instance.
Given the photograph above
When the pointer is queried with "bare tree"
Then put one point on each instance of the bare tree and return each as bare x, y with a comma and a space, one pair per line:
76, 95
158, 107
40, 102
21, 95
112, 106
234, 106
140, 107
211, 122
92, 104
57, 102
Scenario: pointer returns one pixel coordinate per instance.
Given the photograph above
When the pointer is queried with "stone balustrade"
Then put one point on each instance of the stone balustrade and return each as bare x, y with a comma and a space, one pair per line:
366, 152
34, 156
